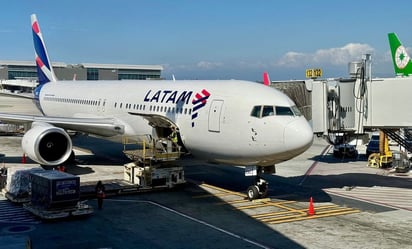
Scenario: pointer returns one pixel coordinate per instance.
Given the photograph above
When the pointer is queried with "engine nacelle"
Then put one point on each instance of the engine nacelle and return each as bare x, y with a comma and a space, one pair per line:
47, 144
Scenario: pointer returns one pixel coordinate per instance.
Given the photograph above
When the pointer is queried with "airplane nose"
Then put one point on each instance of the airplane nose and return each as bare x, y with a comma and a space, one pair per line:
298, 135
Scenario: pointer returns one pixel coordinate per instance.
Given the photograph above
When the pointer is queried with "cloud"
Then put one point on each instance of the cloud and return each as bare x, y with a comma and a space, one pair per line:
334, 56
291, 65
207, 65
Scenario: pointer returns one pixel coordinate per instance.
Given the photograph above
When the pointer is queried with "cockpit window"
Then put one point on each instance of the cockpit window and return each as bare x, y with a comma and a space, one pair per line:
284, 111
267, 111
256, 111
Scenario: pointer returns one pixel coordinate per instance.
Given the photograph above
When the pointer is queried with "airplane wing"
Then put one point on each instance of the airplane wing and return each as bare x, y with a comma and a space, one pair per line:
98, 126
18, 95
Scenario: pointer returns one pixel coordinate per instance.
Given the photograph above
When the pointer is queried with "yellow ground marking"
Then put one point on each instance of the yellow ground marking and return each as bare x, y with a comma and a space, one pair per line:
222, 190
267, 204
287, 213
287, 219
301, 211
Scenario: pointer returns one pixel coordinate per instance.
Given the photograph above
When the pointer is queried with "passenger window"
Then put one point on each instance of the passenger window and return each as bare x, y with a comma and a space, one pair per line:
256, 111
283, 111
267, 111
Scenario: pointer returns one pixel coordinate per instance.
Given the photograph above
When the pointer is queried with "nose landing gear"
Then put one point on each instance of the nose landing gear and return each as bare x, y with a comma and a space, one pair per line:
257, 191
260, 187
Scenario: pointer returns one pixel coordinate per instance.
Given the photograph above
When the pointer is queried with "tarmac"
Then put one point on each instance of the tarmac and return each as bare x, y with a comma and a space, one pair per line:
355, 206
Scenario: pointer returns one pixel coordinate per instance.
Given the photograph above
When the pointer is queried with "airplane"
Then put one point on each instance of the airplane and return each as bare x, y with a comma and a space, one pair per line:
400, 57
224, 121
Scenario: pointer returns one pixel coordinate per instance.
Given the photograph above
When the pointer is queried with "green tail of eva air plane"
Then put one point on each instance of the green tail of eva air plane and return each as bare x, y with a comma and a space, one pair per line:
400, 57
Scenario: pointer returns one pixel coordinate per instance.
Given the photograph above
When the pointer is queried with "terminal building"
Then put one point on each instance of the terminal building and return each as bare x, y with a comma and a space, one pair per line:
14, 71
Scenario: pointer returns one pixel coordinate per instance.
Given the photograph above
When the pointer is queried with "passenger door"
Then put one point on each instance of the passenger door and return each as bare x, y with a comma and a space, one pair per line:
215, 115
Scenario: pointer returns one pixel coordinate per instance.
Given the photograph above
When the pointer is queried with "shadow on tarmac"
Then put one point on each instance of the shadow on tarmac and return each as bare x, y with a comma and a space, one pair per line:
356, 179
232, 178
104, 152
167, 219
332, 159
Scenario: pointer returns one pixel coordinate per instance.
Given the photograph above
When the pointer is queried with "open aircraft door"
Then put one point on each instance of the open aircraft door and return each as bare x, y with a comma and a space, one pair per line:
215, 115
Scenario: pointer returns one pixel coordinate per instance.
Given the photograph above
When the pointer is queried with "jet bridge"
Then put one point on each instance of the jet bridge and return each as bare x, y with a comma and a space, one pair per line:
348, 108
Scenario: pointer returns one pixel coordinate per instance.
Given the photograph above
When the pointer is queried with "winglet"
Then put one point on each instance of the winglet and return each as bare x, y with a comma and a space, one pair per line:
266, 80
400, 57
45, 71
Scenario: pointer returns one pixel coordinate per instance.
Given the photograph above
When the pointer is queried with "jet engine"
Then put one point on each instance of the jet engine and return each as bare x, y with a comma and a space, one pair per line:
47, 144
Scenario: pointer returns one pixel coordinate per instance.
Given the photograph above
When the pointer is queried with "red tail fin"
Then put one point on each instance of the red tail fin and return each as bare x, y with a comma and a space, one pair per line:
266, 80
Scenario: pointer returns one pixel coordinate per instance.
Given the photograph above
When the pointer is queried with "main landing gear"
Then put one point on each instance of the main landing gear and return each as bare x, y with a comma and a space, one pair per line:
260, 187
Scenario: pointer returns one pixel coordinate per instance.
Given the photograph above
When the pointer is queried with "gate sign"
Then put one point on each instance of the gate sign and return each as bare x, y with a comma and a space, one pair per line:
313, 73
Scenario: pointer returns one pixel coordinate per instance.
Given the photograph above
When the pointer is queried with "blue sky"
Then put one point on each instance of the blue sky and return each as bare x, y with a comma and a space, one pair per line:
211, 39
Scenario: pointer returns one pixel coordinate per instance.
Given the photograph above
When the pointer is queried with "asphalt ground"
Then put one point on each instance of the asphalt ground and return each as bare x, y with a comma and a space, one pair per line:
355, 206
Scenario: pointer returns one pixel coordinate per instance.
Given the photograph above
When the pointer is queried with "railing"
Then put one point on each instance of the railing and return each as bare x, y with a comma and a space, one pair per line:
402, 139
145, 149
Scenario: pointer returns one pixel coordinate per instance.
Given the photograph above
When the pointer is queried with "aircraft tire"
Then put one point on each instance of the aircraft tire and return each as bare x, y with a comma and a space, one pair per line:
252, 192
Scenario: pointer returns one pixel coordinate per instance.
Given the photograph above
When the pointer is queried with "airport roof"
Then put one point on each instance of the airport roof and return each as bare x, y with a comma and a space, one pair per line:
86, 65
121, 66
29, 63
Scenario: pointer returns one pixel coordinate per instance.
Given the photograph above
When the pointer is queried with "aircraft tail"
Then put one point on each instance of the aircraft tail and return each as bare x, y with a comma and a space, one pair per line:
400, 57
266, 80
45, 71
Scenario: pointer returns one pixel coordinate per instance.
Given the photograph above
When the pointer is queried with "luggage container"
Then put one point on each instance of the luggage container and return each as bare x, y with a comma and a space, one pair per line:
55, 195
18, 185
54, 189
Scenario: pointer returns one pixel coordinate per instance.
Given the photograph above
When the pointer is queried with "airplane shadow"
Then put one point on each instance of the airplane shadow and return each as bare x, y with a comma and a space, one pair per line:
104, 152
232, 178
297, 188
193, 200
72, 168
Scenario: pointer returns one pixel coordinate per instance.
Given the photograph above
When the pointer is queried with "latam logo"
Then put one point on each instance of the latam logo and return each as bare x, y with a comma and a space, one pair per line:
199, 101
179, 98
168, 96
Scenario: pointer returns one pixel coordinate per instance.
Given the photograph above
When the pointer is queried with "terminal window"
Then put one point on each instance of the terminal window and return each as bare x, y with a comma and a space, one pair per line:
92, 74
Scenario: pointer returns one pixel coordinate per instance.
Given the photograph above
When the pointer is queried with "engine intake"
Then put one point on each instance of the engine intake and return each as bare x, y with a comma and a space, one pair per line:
47, 144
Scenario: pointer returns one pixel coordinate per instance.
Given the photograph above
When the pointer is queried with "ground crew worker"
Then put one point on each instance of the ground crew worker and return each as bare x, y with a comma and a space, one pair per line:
100, 194
3, 176
3, 170
173, 137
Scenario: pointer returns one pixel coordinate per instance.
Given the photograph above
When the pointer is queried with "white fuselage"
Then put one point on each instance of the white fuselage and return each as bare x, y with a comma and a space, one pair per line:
214, 118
